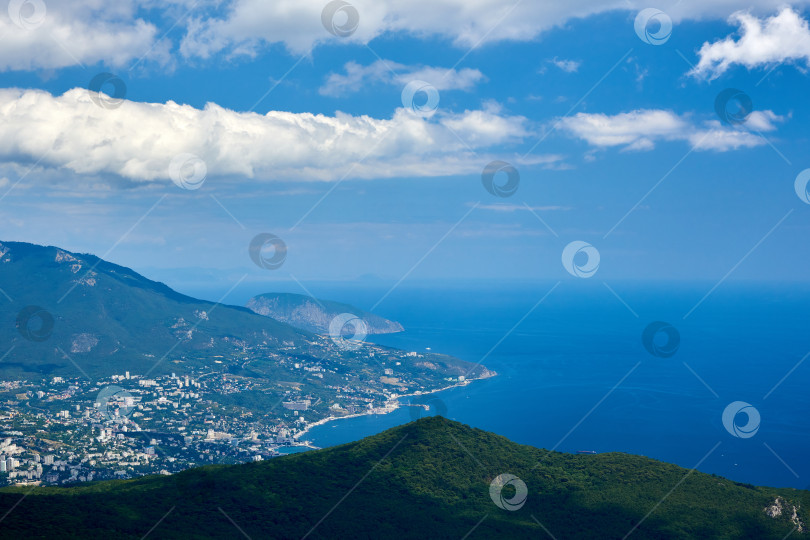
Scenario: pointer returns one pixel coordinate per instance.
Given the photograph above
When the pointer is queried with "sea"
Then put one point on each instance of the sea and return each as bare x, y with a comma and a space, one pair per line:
720, 382
709, 376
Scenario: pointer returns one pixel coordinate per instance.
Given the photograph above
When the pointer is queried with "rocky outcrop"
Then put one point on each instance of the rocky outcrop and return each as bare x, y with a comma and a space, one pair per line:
781, 507
315, 315
83, 343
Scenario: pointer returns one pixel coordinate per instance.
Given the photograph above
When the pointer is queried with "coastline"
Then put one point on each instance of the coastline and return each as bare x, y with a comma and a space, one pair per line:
386, 410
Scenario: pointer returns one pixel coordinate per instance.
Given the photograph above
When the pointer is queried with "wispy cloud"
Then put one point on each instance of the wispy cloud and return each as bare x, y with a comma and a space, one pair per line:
568, 66
504, 207
641, 129
356, 76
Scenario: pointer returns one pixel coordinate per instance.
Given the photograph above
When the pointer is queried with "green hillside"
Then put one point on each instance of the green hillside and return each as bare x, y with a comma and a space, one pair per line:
107, 317
426, 479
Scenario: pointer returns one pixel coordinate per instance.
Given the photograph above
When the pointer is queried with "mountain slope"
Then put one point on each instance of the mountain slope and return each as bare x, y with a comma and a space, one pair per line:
426, 479
105, 315
64, 313
314, 315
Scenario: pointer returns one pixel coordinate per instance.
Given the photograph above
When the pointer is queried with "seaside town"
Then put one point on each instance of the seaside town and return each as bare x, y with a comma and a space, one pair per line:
64, 430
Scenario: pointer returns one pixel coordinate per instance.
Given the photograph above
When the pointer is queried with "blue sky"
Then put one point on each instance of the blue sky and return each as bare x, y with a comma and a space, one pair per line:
304, 135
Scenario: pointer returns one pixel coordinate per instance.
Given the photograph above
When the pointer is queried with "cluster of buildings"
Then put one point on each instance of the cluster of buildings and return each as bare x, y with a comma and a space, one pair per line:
20, 468
63, 430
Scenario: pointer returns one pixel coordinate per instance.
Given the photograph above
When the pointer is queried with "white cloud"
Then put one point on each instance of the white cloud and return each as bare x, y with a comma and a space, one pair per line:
569, 66
80, 32
138, 141
784, 37
388, 72
248, 24
632, 129
763, 120
640, 129
478, 127
119, 33
715, 137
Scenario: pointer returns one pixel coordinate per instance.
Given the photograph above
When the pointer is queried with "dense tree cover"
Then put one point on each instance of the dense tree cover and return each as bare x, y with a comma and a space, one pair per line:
426, 479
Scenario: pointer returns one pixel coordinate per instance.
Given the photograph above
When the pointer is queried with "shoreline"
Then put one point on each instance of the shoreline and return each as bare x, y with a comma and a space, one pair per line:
328, 419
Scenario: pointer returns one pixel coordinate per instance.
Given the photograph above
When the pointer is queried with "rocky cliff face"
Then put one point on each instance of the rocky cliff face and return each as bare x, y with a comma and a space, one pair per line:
782, 507
315, 315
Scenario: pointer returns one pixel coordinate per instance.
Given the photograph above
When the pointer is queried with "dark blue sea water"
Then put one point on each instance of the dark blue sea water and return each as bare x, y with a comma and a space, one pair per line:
575, 375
